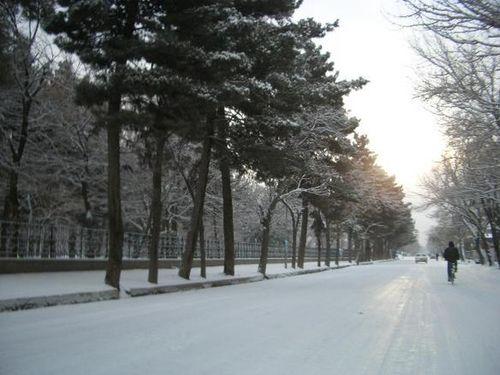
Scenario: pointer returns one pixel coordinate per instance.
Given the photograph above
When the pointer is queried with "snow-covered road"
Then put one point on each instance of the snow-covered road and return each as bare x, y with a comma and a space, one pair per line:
387, 318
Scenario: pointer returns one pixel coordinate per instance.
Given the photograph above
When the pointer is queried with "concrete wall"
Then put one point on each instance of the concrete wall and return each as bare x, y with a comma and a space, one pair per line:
13, 265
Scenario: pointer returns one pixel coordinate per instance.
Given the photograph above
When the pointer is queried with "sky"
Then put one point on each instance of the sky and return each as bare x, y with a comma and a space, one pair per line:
401, 130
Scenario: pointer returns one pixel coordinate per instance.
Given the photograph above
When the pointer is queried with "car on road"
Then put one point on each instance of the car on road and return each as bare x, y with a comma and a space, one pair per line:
421, 258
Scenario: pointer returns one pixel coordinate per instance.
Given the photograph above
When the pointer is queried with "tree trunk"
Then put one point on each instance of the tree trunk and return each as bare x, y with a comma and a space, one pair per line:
303, 232
496, 245
477, 247
460, 248
203, 254
337, 245
318, 239
190, 246
490, 216
377, 249
360, 249
156, 207
115, 224
11, 216
295, 229
349, 244
266, 231
327, 242
486, 246
227, 199
488, 256
494, 233
3, 239
358, 246
214, 227
264, 246
11, 205
228, 220
87, 219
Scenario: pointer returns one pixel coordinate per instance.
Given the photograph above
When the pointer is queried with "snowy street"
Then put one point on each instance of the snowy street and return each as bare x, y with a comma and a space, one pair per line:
387, 318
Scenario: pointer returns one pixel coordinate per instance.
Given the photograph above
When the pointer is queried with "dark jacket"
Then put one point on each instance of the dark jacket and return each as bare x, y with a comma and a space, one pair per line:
451, 254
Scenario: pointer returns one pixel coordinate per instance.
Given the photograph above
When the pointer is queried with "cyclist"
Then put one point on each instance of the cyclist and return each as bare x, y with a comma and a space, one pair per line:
452, 256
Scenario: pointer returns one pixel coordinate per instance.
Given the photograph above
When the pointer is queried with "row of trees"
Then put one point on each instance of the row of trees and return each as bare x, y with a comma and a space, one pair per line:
461, 81
183, 116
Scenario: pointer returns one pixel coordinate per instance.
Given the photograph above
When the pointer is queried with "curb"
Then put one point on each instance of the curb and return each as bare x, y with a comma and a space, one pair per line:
160, 289
26, 303
74, 298
375, 262
304, 272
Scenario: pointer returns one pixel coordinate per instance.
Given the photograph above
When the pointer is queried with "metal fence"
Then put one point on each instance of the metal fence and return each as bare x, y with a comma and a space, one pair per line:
23, 240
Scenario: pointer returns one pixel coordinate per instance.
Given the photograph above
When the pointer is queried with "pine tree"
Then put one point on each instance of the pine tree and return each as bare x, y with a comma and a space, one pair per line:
229, 73
105, 36
380, 214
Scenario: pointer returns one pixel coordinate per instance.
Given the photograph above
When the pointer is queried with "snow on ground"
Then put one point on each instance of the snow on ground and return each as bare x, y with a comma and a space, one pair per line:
57, 283
138, 278
386, 318
22, 285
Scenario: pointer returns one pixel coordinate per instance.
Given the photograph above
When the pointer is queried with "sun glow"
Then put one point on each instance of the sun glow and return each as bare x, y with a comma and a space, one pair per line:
402, 133
404, 136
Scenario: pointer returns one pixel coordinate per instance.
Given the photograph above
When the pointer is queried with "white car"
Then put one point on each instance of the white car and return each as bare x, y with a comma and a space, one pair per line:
421, 258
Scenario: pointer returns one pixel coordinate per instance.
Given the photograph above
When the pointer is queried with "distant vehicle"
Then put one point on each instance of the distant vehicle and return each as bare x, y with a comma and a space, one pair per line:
421, 258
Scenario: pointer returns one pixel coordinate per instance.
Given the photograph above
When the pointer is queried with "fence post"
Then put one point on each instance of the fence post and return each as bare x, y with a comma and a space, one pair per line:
51, 242
180, 249
286, 252
99, 243
132, 250
3, 240
90, 248
81, 242
30, 245
71, 243
13, 240
106, 248
39, 244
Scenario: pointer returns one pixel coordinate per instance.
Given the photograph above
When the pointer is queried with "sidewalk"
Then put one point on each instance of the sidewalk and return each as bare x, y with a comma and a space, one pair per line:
32, 290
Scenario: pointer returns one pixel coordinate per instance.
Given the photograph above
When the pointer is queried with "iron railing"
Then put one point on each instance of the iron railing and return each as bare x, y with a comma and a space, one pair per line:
23, 240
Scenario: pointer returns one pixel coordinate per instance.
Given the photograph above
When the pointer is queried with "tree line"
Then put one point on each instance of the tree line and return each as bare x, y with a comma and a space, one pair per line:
461, 49
187, 116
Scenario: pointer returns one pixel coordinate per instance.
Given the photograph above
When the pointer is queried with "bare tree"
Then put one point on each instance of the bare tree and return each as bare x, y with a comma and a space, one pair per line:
473, 22
273, 195
450, 188
460, 80
462, 86
30, 64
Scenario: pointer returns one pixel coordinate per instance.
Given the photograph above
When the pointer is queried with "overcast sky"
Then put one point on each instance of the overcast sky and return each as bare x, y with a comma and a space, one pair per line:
403, 134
